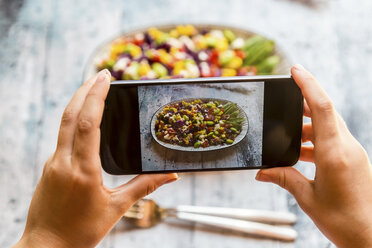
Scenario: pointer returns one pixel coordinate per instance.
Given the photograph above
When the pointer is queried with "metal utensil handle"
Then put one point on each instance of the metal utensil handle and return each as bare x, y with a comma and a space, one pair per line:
264, 216
252, 228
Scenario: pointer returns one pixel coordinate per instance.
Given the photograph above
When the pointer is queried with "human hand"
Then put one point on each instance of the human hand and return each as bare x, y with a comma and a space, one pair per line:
71, 207
339, 199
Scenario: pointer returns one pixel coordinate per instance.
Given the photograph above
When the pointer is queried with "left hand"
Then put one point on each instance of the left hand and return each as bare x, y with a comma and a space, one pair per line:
71, 207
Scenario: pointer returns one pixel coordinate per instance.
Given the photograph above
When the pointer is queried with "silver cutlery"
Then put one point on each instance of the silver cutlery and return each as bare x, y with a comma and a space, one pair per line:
146, 213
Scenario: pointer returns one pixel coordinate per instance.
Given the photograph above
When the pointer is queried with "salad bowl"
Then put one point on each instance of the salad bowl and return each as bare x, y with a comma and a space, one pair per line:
103, 51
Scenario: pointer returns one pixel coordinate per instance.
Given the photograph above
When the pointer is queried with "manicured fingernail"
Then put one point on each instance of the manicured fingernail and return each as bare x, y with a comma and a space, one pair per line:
262, 177
298, 67
103, 76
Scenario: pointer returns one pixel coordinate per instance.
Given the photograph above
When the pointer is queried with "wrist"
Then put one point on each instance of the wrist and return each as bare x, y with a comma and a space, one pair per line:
41, 240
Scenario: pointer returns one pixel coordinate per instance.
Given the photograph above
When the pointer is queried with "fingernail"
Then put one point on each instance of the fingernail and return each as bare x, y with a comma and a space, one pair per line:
262, 177
103, 76
172, 180
298, 67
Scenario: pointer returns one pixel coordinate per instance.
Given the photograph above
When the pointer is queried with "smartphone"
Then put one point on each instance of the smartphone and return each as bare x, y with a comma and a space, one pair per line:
201, 124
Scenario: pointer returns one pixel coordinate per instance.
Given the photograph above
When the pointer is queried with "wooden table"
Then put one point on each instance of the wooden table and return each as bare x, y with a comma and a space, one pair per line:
45, 45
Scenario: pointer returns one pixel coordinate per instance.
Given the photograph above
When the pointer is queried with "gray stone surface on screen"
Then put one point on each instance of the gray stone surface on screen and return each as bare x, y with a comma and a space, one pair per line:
248, 152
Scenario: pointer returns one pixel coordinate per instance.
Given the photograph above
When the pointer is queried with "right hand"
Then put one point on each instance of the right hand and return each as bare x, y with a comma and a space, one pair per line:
339, 199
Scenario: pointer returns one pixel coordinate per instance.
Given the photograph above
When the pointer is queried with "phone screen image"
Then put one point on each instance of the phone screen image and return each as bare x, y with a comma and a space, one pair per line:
201, 124
196, 126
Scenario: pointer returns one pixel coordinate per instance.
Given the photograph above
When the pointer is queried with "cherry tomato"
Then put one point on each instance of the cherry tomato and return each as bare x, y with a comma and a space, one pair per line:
240, 53
214, 57
138, 42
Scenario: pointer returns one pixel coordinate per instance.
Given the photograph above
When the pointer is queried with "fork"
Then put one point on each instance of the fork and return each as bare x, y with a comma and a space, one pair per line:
146, 213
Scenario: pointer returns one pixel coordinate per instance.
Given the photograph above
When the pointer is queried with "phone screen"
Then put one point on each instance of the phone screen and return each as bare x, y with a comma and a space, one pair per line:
183, 127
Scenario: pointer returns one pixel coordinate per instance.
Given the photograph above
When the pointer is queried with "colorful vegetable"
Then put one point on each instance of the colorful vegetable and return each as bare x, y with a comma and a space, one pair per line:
160, 70
268, 64
257, 49
187, 52
199, 123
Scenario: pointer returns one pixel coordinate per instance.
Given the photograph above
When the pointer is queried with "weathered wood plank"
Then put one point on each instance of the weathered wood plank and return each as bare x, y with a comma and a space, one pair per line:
24, 37
47, 43
76, 29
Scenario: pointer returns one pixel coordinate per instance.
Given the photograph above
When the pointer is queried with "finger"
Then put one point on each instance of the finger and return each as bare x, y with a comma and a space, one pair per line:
69, 118
342, 123
140, 186
307, 154
307, 111
307, 132
323, 114
87, 136
290, 179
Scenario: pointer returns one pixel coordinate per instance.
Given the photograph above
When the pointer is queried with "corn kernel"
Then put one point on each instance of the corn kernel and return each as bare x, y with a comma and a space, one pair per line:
222, 44
201, 43
144, 69
227, 72
165, 58
181, 30
173, 50
235, 63
118, 48
173, 33
154, 32
189, 29
135, 51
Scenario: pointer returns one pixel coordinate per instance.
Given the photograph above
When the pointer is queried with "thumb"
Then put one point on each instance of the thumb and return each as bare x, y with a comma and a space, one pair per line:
290, 179
140, 186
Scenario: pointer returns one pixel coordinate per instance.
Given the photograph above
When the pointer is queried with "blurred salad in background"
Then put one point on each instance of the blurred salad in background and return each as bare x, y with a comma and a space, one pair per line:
188, 52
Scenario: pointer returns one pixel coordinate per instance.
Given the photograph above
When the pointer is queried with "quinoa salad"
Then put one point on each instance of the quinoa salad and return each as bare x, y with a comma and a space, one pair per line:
199, 123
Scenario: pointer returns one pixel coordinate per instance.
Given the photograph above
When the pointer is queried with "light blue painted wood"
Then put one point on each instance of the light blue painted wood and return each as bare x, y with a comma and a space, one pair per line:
46, 43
